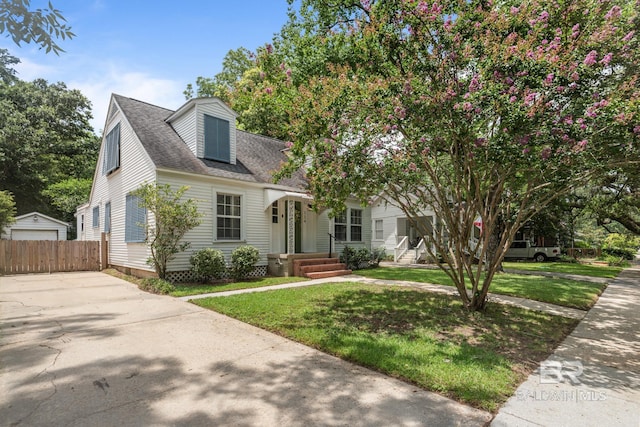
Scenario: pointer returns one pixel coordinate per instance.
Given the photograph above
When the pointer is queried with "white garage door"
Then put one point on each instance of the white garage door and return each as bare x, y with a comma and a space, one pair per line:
34, 234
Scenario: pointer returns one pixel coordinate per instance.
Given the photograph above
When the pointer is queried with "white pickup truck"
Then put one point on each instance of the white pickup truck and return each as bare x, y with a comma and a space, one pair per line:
525, 249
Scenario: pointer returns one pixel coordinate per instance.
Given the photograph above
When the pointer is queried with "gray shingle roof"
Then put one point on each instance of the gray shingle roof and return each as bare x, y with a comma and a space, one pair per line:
257, 157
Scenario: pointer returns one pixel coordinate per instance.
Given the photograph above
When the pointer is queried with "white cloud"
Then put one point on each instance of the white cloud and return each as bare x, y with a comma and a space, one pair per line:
139, 85
28, 70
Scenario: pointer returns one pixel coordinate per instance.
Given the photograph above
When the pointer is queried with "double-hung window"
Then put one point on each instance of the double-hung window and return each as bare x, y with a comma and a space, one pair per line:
356, 225
378, 225
111, 155
340, 227
347, 226
135, 220
228, 216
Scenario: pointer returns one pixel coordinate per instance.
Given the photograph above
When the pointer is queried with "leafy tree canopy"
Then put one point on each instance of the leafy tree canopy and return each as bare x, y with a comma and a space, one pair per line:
7, 209
45, 138
39, 26
468, 108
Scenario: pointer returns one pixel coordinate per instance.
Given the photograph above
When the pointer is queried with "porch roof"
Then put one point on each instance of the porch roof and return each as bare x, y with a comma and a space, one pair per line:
271, 195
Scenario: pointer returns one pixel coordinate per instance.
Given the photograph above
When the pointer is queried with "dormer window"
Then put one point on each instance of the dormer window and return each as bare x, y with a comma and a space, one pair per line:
217, 142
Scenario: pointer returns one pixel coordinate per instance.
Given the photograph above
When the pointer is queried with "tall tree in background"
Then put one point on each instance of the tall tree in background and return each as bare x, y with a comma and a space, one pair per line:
45, 138
39, 26
469, 108
7, 209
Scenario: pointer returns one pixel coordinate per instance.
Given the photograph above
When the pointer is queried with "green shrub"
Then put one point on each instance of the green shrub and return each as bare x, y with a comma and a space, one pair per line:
621, 245
243, 261
377, 255
208, 264
614, 261
356, 259
156, 286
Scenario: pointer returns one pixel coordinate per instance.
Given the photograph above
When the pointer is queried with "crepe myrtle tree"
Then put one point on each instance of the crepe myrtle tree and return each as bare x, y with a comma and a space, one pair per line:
483, 111
173, 217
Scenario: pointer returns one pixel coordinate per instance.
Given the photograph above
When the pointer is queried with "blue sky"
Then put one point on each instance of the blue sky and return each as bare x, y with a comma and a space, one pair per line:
147, 50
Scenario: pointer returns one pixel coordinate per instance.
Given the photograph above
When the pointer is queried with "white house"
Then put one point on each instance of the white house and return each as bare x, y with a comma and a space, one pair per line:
36, 226
229, 173
392, 230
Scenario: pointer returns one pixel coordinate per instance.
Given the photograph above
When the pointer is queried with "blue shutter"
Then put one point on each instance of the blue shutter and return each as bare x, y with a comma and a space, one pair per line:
107, 217
135, 220
96, 216
111, 160
217, 142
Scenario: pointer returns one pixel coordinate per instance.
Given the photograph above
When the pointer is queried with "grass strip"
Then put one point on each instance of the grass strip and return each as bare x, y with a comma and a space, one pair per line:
425, 338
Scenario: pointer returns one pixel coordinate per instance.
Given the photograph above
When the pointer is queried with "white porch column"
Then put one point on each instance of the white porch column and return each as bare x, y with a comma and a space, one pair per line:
291, 226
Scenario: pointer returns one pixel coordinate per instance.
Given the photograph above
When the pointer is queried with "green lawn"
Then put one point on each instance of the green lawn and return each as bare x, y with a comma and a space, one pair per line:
565, 267
565, 292
182, 289
425, 338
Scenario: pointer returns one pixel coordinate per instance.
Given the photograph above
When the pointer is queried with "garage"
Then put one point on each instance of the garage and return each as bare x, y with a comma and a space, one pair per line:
36, 226
34, 234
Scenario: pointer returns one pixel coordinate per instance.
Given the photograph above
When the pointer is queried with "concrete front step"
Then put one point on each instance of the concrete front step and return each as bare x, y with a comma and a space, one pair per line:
298, 264
324, 274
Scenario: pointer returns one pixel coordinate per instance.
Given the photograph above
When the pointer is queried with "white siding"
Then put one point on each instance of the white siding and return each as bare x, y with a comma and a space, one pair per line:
389, 214
135, 168
185, 127
255, 225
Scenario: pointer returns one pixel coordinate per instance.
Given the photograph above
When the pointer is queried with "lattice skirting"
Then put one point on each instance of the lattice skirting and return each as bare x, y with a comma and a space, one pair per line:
187, 276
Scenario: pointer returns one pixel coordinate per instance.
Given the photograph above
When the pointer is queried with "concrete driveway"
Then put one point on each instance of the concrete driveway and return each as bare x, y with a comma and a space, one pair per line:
87, 349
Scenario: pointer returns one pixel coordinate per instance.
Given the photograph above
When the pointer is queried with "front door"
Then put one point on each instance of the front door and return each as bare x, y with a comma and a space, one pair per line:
297, 228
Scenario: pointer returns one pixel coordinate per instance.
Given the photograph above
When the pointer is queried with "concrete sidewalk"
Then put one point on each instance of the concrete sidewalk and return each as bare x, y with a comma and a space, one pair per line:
88, 349
593, 378
556, 310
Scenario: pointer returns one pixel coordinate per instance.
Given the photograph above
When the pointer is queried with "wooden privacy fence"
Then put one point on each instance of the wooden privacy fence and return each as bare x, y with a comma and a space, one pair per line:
48, 256
584, 252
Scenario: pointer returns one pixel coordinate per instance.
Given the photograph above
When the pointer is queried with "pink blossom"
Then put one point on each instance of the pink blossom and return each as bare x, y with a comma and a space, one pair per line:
530, 98
400, 112
568, 120
574, 76
582, 144
606, 59
475, 84
545, 153
628, 36
591, 58
343, 174
288, 72
412, 167
466, 106
288, 144
549, 78
514, 10
526, 150
636, 130
575, 31
269, 48
544, 16
268, 90
613, 13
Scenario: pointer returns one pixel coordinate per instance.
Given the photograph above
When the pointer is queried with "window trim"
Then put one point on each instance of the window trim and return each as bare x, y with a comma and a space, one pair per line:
241, 217
341, 220
358, 225
375, 229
